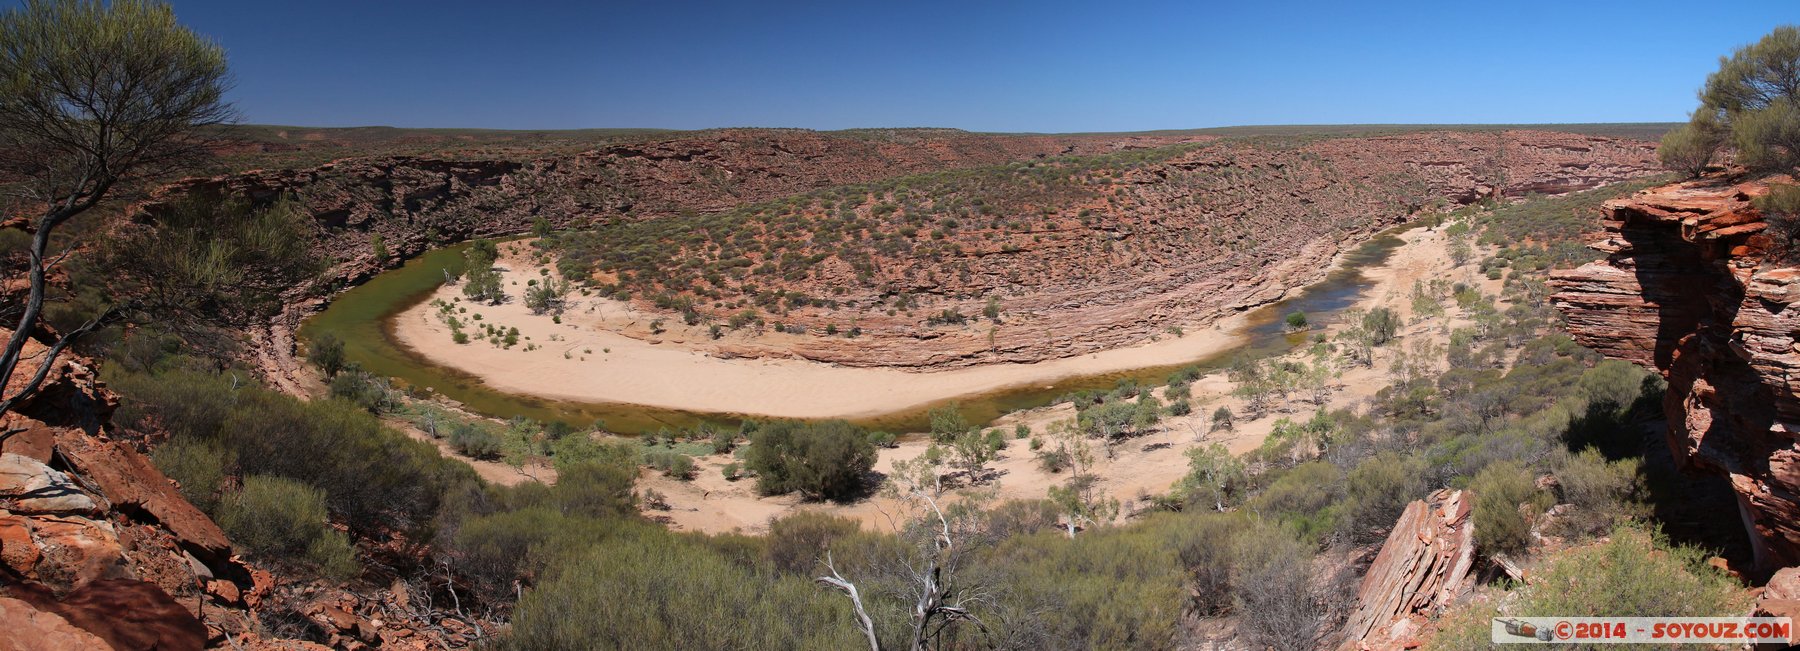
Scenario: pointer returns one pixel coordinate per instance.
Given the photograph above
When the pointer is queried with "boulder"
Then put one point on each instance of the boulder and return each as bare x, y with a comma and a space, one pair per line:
1420, 569
29, 629
28, 486
128, 479
128, 615
77, 551
17, 550
29, 437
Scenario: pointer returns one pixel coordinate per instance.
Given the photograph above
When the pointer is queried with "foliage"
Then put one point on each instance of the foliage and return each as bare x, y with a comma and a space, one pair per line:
660, 592
1272, 584
326, 351
797, 543
1691, 148
474, 440
95, 99
276, 518
547, 296
1603, 493
371, 476
1635, 572
1754, 93
1500, 490
1381, 323
481, 281
825, 460
1781, 208
209, 261
947, 422
198, 468
1215, 480
1378, 490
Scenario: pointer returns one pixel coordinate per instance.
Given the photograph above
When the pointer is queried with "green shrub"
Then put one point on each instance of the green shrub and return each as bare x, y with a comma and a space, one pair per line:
671, 463
198, 466
1381, 324
1203, 545
1306, 496
947, 423
474, 440
1781, 208
373, 477
364, 389
1296, 320
1500, 490
1271, 584
653, 592
1691, 148
1221, 419
1636, 573
797, 542
1603, 493
596, 489
275, 518
825, 460
1377, 491
326, 351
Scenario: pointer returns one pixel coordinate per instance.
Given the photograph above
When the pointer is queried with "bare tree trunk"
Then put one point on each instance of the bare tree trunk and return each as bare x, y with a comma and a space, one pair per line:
862, 616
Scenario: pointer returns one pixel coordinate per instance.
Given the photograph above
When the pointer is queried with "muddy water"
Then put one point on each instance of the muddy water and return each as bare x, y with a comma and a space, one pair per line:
362, 316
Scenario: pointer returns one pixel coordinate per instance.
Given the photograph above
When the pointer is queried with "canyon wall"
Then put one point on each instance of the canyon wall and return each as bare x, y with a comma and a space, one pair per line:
1690, 289
415, 202
1218, 227
1179, 242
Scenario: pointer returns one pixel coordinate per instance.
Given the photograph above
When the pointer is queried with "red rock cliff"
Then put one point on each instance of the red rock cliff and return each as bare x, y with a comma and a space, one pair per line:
1687, 288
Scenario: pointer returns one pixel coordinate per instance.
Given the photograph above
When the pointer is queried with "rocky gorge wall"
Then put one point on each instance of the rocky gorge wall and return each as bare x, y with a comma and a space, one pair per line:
1689, 288
1201, 235
1263, 216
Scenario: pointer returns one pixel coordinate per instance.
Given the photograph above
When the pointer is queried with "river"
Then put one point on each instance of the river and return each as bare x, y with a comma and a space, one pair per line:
363, 318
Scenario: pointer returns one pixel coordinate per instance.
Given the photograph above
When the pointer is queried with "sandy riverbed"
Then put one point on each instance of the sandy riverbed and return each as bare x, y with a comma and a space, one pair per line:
1142, 467
586, 358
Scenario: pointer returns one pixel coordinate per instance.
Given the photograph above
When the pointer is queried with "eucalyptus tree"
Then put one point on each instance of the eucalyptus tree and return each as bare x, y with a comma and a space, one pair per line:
95, 100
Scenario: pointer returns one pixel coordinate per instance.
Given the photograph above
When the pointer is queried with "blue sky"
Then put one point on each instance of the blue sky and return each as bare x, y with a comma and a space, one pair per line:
985, 66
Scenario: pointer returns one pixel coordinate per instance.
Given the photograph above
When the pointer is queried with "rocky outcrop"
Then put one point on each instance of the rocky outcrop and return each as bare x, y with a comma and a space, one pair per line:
100, 551
1421, 569
1688, 288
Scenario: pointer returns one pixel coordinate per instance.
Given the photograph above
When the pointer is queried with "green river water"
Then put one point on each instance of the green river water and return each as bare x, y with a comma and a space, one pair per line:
362, 316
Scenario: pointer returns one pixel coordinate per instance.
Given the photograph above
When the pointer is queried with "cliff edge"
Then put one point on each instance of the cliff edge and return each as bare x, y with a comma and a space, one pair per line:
1690, 289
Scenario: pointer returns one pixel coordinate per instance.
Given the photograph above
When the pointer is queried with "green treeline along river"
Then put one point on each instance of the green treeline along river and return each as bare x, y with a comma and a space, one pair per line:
362, 317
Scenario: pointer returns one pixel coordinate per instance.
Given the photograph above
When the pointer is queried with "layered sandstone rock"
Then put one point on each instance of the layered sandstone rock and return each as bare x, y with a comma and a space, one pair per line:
99, 551
1688, 288
1422, 568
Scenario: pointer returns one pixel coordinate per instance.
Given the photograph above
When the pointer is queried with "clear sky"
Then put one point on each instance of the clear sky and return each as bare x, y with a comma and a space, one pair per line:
1044, 66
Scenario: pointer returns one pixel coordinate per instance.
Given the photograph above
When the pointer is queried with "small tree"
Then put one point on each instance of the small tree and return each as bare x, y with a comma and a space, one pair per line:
1382, 324
94, 99
825, 460
971, 451
548, 296
1690, 148
947, 422
1754, 93
481, 282
1214, 480
1221, 419
326, 351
